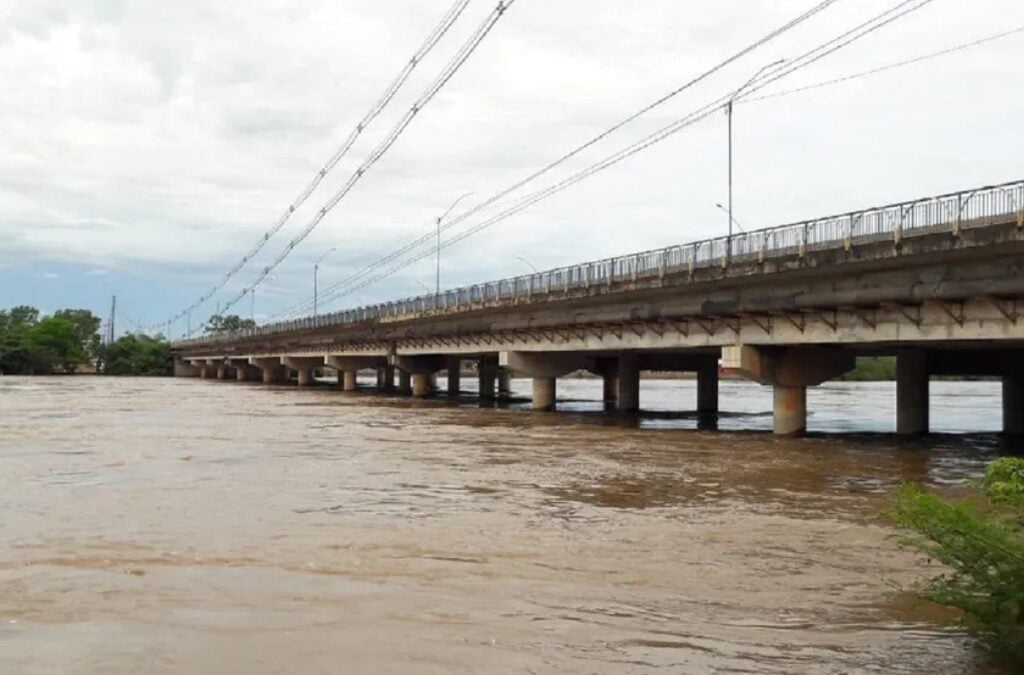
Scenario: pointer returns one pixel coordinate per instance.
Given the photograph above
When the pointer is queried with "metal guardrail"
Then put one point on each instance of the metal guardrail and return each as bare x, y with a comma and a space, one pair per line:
949, 212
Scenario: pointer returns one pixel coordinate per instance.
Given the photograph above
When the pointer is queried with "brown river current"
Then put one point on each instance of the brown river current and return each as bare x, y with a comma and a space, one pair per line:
187, 526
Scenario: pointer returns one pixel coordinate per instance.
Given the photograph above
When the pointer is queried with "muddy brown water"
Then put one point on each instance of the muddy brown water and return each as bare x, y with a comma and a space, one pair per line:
187, 526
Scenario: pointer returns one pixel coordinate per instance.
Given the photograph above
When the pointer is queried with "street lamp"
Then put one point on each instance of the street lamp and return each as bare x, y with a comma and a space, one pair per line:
728, 114
316, 274
734, 221
527, 262
437, 287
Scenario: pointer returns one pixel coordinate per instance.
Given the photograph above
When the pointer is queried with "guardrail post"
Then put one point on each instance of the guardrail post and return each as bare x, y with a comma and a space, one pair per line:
959, 210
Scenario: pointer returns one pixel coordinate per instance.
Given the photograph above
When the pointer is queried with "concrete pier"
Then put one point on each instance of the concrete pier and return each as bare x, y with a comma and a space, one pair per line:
389, 378
241, 373
1013, 404
628, 383
911, 392
707, 387
789, 410
488, 374
454, 368
610, 387
304, 376
504, 383
348, 380
544, 390
404, 382
420, 385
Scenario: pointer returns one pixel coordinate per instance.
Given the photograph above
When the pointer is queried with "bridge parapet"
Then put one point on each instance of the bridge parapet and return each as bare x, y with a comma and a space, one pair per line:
738, 255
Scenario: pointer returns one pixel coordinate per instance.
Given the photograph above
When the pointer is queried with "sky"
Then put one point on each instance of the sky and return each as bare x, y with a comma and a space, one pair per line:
146, 146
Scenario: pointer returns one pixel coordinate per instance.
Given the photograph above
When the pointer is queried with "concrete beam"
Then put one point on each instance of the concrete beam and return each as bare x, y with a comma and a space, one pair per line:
419, 365
354, 363
795, 366
543, 364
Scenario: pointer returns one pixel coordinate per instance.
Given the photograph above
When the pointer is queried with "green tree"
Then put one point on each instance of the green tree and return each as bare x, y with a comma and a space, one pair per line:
15, 352
981, 543
87, 326
52, 342
138, 355
227, 324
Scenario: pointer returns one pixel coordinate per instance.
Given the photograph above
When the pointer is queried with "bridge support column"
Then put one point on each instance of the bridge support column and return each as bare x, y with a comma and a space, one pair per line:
348, 380
454, 368
304, 365
628, 383
544, 393
389, 378
789, 412
610, 387
707, 387
241, 373
504, 383
912, 392
487, 371
273, 371
183, 369
544, 368
404, 382
222, 372
1013, 404
790, 370
420, 385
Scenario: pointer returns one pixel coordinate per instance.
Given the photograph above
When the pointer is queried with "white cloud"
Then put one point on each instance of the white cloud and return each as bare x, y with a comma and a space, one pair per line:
51, 275
164, 138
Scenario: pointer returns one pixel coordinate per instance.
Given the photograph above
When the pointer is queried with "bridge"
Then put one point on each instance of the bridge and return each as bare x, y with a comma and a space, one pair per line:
937, 282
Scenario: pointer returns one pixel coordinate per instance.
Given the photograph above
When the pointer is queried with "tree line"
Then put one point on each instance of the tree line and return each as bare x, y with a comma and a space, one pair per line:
68, 341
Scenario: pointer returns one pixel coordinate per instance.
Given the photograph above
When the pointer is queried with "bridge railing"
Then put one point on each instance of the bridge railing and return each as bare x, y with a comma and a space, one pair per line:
950, 212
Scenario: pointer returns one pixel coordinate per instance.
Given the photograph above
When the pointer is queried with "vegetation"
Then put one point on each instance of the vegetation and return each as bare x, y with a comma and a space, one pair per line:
227, 324
138, 355
981, 542
872, 369
69, 341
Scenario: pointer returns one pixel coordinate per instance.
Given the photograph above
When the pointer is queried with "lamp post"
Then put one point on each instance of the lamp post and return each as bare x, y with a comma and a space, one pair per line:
728, 114
527, 262
437, 281
734, 221
316, 275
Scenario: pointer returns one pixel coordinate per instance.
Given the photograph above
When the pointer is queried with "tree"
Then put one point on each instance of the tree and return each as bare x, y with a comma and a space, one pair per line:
87, 326
138, 355
52, 342
15, 353
228, 324
981, 542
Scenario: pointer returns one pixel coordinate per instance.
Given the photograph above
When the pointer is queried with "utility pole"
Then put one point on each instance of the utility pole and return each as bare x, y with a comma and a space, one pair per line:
728, 114
316, 275
437, 279
110, 324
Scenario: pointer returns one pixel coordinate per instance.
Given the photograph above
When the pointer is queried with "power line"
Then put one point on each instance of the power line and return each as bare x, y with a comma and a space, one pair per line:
898, 64
440, 81
449, 19
861, 30
591, 142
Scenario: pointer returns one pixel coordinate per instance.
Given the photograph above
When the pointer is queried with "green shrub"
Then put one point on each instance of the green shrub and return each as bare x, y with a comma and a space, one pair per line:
981, 542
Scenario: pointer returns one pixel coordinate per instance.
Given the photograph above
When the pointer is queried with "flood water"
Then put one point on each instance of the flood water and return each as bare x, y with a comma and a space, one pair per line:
188, 526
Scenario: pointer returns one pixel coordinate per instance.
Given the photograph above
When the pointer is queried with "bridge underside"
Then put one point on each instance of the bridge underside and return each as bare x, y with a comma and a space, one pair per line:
942, 304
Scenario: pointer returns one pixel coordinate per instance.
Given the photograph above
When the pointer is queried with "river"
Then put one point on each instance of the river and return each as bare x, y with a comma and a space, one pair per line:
188, 526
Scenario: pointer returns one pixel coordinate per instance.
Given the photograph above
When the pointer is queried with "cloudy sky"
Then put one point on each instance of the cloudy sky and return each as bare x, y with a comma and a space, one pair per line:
145, 146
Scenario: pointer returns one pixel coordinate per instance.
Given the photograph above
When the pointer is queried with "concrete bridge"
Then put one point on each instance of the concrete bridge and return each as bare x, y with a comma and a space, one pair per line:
937, 282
